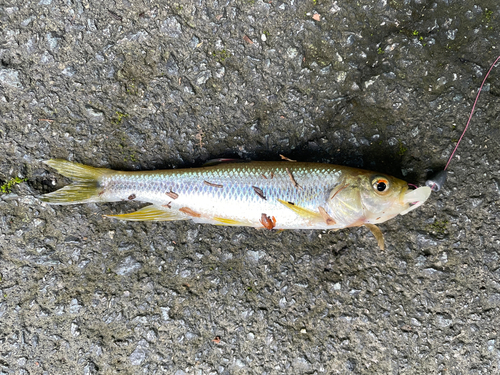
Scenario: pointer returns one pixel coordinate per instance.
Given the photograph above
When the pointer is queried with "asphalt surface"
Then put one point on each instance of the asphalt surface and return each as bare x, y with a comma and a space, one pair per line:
383, 85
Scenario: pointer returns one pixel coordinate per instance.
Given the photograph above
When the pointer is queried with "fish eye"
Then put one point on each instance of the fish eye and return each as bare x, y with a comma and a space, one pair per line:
380, 184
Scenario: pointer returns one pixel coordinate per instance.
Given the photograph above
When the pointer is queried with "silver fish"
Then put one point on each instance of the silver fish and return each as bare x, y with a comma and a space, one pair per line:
272, 195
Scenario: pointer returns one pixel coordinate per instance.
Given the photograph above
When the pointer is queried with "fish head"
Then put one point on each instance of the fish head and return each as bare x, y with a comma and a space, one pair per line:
370, 198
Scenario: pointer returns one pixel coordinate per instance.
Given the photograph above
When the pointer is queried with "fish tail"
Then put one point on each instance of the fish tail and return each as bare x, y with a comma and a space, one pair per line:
86, 187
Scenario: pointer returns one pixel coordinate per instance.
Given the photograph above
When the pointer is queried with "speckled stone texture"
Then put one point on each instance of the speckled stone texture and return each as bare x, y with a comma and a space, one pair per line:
383, 85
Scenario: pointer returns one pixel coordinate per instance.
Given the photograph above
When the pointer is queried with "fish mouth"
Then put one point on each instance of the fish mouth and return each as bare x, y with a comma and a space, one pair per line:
415, 198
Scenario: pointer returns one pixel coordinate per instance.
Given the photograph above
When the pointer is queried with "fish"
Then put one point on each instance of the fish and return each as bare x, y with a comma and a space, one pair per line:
271, 195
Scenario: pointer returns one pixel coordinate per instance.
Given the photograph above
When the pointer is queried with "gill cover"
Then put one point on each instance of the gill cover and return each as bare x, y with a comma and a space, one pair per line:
345, 204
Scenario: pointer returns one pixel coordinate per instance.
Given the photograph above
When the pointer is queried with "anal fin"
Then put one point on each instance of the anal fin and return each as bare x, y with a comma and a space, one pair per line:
151, 213
231, 222
377, 233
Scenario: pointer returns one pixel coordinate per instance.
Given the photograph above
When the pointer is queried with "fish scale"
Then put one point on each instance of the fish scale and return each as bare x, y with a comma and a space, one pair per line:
236, 199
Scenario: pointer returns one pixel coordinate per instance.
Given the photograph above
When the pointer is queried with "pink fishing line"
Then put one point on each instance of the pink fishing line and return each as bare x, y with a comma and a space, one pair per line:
472, 111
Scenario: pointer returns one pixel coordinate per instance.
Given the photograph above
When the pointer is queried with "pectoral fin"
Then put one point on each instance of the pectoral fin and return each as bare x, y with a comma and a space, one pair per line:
151, 213
301, 211
378, 235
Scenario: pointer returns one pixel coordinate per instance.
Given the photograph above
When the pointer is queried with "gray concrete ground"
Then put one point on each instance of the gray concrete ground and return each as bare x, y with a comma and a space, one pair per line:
384, 85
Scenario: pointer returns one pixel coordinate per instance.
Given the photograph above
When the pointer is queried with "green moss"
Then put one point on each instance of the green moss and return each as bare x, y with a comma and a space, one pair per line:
320, 52
402, 149
126, 153
7, 186
439, 226
487, 15
118, 117
411, 33
398, 5
132, 157
221, 55
131, 88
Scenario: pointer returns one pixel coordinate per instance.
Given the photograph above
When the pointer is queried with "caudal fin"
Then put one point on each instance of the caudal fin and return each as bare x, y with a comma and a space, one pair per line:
86, 187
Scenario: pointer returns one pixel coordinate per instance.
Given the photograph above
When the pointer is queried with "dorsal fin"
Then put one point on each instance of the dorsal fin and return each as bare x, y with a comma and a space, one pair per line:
218, 161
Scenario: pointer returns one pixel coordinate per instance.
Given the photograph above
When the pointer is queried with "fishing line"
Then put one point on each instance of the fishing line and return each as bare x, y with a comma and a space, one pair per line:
439, 179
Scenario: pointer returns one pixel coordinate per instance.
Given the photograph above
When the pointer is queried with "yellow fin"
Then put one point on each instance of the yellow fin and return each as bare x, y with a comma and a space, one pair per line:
76, 171
152, 213
377, 233
301, 211
77, 192
84, 190
235, 223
